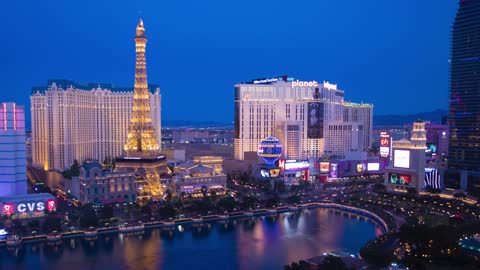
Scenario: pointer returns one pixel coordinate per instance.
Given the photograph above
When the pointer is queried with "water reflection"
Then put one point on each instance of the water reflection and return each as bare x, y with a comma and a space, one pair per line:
251, 243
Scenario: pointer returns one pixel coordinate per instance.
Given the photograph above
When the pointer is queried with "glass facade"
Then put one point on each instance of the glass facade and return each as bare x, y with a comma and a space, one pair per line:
464, 115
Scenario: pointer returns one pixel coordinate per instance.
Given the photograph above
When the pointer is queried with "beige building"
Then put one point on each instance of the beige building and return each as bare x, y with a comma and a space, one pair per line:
74, 121
95, 185
299, 114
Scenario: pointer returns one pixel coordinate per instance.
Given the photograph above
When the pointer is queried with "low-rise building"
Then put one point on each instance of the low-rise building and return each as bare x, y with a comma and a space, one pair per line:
96, 185
196, 178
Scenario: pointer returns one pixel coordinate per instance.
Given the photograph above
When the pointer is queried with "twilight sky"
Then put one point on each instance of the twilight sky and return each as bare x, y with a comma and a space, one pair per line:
393, 54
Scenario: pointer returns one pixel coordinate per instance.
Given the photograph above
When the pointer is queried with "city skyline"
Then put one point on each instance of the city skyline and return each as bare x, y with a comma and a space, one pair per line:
193, 49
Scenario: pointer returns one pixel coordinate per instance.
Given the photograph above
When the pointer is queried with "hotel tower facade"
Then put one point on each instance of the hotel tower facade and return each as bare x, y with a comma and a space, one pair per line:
95, 121
310, 119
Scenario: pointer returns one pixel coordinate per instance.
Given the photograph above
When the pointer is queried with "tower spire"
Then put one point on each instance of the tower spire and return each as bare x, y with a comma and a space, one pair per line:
141, 139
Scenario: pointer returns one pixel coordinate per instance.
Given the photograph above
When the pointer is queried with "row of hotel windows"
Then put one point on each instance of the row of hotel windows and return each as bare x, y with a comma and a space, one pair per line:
113, 188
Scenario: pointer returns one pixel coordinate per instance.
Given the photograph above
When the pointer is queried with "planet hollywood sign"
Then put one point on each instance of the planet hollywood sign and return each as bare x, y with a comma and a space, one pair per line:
298, 83
28, 207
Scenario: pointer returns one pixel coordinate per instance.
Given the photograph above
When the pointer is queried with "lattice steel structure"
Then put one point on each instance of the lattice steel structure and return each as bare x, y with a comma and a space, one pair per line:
141, 139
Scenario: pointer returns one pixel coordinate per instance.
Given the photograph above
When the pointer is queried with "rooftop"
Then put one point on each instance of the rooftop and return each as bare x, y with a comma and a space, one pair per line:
64, 84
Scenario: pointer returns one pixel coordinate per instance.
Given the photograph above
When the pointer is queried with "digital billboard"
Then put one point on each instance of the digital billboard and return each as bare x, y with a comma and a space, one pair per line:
373, 166
399, 179
334, 170
324, 167
275, 172
360, 167
289, 165
315, 120
265, 173
401, 158
384, 144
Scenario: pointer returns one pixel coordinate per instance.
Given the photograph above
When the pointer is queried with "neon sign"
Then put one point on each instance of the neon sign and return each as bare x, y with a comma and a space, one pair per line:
298, 83
51, 205
8, 209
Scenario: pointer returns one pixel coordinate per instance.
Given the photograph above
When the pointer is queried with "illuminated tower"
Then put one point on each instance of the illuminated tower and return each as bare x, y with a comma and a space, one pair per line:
142, 150
141, 139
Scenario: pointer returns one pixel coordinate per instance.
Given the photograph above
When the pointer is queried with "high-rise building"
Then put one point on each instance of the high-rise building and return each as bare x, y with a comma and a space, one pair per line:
13, 160
464, 115
300, 115
72, 121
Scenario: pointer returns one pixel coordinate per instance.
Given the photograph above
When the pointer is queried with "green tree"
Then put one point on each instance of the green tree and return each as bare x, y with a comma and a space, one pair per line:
52, 224
88, 217
33, 225
146, 211
379, 187
107, 211
166, 211
226, 203
411, 191
332, 263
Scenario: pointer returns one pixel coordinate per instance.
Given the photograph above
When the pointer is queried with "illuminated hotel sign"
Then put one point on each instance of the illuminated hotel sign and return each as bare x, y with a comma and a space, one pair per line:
384, 144
260, 81
298, 83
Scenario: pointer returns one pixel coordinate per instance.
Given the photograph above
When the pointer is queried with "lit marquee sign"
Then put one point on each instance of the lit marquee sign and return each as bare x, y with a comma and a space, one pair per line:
290, 165
373, 166
400, 179
384, 144
401, 159
324, 166
334, 170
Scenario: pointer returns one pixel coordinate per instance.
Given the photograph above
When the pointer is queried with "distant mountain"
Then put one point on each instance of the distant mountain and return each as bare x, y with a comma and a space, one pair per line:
197, 124
400, 120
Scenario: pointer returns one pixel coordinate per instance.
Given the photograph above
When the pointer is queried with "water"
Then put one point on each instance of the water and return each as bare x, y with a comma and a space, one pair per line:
254, 243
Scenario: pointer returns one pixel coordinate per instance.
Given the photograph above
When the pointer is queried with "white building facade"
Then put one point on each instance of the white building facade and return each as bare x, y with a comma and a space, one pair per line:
13, 159
72, 121
299, 114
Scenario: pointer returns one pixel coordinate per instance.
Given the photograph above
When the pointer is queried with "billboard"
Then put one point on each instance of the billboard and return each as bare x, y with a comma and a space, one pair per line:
275, 172
401, 158
399, 179
360, 167
385, 141
324, 167
334, 170
265, 173
292, 164
315, 120
373, 166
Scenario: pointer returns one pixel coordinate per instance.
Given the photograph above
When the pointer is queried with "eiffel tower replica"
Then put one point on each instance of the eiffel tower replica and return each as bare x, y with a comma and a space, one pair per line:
142, 151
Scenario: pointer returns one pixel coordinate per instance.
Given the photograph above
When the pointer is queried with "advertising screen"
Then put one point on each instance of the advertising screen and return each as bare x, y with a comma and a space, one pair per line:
373, 166
360, 167
274, 172
399, 179
295, 165
265, 173
324, 167
334, 170
315, 120
384, 144
401, 159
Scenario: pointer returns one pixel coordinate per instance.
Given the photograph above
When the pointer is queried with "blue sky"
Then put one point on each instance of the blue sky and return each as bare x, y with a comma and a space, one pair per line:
393, 54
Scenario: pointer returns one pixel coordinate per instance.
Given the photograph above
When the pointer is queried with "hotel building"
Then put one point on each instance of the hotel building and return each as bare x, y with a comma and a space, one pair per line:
13, 160
83, 121
310, 119
464, 116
